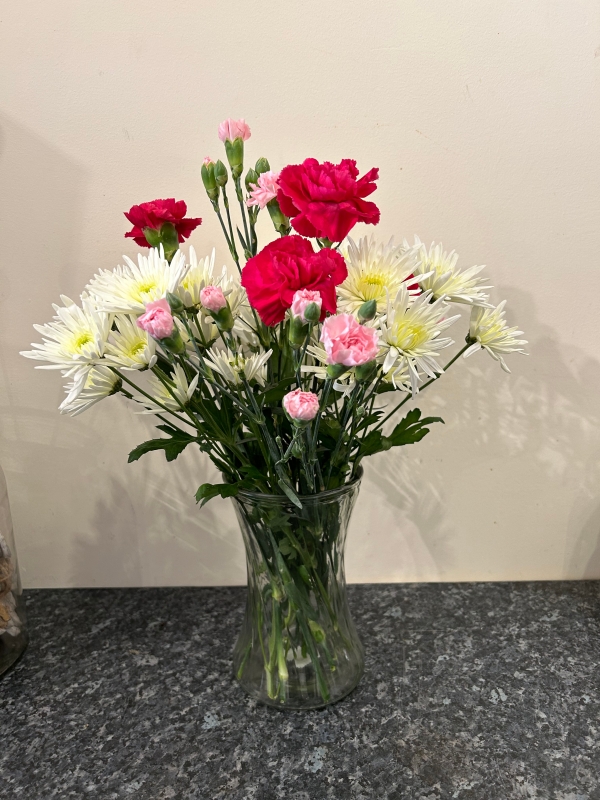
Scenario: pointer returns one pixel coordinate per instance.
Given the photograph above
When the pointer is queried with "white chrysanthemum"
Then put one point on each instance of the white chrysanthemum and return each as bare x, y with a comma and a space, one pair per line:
437, 273
229, 365
373, 268
101, 382
400, 376
127, 289
74, 341
130, 347
175, 397
199, 275
488, 331
410, 334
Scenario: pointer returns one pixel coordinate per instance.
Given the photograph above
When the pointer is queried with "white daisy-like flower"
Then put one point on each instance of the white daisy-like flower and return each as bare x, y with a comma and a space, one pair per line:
199, 275
101, 382
74, 340
130, 347
400, 377
127, 289
410, 335
488, 331
436, 272
176, 397
230, 366
374, 272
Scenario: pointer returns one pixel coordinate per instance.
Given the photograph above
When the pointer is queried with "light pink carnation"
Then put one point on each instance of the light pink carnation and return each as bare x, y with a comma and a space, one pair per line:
212, 298
234, 129
264, 190
207, 160
158, 320
348, 343
303, 298
301, 406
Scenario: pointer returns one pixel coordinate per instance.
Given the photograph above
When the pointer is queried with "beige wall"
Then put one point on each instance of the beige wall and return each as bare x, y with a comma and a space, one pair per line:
483, 118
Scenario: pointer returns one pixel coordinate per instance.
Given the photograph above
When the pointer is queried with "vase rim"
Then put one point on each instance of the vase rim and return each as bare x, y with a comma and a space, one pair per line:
282, 498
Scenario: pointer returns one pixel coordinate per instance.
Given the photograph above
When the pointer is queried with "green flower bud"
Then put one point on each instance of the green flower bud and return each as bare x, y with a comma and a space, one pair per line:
208, 179
312, 313
280, 221
174, 343
336, 370
152, 236
364, 372
175, 303
221, 174
223, 319
367, 311
297, 333
262, 165
251, 178
235, 155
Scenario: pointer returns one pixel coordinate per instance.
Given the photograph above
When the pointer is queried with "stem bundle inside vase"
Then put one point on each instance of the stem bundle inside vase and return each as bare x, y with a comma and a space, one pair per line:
286, 369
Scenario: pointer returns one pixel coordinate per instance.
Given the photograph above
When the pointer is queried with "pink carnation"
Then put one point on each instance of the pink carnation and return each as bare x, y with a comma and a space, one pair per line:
301, 406
212, 298
347, 342
264, 190
158, 320
234, 129
303, 298
207, 160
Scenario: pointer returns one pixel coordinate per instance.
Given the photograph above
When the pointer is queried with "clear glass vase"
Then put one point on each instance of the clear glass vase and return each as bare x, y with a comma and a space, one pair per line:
13, 626
298, 647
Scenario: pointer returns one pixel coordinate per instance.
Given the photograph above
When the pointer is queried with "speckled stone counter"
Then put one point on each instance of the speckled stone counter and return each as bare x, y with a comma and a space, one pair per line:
486, 691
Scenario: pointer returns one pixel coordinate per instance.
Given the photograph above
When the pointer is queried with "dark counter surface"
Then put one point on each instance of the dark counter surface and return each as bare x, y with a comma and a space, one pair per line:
486, 691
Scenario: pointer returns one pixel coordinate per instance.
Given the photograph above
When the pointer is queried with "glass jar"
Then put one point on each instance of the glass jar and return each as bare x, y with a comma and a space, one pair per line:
298, 647
13, 627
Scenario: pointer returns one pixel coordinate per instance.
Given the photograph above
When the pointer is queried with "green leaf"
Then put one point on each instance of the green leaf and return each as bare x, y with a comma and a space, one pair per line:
207, 491
173, 446
412, 428
374, 442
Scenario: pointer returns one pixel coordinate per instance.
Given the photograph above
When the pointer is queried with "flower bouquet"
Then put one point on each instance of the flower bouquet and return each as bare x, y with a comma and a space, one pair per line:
286, 376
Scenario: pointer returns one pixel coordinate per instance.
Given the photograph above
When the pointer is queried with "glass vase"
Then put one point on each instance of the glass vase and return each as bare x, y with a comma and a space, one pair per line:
298, 647
13, 627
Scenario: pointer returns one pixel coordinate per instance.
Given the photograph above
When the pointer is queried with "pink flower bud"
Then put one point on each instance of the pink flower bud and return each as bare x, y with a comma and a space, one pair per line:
213, 299
347, 342
234, 129
207, 160
264, 190
301, 406
303, 298
158, 320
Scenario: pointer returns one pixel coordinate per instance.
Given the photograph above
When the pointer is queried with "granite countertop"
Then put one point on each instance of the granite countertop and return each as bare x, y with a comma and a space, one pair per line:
486, 691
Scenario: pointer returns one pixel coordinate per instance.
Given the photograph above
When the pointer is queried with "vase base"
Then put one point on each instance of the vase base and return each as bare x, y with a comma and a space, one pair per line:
298, 701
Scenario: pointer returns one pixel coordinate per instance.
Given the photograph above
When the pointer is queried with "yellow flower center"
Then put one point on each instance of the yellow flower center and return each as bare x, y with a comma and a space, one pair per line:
146, 287
80, 340
372, 286
136, 348
407, 335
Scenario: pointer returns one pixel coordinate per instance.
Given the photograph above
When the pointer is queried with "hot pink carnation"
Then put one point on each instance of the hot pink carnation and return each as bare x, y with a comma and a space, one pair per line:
326, 200
212, 298
264, 190
301, 406
272, 277
303, 298
347, 342
234, 129
158, 320
154, 214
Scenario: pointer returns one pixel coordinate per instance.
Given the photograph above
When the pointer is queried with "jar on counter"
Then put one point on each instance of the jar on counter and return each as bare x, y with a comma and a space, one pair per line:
13, 625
